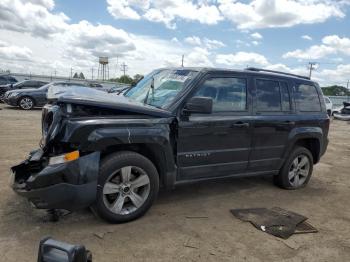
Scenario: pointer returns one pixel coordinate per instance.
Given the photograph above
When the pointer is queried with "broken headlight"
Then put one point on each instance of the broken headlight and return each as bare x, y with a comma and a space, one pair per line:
64, 158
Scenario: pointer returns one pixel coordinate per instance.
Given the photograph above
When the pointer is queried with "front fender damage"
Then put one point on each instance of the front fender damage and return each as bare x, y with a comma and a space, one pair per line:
69, 186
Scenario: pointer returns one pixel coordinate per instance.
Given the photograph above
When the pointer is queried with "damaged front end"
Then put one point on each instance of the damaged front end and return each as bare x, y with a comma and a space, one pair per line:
56, 176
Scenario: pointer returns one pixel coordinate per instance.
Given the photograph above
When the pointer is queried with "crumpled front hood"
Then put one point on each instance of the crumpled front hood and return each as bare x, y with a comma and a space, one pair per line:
91, 97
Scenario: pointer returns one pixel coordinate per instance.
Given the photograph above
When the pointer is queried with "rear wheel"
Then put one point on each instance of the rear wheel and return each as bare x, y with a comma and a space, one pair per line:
296, 171
127, 187
26, 103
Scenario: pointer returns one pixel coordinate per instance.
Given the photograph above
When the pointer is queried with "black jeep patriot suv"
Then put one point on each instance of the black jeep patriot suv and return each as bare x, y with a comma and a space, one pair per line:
177, 125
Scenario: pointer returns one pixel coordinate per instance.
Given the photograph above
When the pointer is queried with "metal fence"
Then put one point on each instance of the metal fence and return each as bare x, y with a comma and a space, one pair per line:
338, 100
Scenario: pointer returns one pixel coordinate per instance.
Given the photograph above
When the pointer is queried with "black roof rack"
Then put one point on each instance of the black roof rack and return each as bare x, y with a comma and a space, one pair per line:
276, 72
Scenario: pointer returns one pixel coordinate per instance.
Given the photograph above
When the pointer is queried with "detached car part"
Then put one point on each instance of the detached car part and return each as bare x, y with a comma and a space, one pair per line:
51, 250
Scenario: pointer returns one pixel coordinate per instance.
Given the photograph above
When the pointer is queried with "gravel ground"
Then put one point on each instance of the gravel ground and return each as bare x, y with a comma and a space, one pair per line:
167, 232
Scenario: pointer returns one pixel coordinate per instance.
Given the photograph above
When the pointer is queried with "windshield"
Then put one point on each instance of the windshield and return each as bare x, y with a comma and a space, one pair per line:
160, 87
18, 84
46, 86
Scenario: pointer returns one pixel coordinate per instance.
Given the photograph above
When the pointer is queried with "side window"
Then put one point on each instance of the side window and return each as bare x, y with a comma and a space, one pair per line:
272, 96
228, 94
268, 95
307, 97
27, 85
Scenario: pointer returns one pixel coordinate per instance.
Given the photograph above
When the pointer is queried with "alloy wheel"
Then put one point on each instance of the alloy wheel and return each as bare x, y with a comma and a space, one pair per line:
126, 190
299, 170
26, 103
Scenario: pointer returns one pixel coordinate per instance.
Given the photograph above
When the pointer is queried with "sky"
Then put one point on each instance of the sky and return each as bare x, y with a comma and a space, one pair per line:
57, 36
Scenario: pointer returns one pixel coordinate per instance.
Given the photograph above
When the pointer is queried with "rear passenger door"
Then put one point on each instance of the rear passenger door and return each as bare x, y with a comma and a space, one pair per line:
274, 120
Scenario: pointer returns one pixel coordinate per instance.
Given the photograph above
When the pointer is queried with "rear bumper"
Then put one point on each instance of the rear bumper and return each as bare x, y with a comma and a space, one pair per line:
69, 186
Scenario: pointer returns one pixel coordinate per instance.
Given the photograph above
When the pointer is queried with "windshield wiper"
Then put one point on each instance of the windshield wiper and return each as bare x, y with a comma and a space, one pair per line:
151, 87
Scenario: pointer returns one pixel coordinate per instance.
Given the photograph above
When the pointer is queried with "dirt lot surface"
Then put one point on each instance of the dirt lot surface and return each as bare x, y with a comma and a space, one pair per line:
167, 233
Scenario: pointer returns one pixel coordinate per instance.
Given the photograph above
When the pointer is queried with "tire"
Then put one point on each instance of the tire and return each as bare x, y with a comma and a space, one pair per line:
120, 196
293, 175
26, 103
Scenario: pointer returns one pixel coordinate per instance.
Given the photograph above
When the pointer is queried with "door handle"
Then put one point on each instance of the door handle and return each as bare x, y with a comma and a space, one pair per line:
240, 124
291, 123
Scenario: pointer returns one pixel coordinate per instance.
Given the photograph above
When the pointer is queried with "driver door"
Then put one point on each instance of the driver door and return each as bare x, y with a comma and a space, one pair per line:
217, 144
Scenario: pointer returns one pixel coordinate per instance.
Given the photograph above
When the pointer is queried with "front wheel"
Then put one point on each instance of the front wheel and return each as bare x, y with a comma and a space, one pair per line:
296, 171
26, 103
128, 184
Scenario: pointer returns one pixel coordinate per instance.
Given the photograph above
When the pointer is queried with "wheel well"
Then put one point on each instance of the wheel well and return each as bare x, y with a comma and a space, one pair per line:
151, 151
313, 145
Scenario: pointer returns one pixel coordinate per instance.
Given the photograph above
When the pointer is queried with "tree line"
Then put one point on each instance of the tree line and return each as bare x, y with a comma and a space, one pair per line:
126, 79
335, 90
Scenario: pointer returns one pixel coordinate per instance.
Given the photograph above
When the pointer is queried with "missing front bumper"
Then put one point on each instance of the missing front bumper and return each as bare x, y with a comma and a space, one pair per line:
69, 186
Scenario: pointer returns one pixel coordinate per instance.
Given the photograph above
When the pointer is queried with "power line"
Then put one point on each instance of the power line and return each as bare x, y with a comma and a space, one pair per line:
123, 68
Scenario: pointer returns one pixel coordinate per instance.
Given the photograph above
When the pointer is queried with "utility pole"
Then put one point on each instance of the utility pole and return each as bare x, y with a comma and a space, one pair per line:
71, 72
123, 68
116, 67
347, 84
92, 73
182, 61
311, 68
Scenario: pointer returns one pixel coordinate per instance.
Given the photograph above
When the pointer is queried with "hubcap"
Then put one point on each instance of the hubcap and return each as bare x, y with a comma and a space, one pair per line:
299, 170
126, 190
26, 103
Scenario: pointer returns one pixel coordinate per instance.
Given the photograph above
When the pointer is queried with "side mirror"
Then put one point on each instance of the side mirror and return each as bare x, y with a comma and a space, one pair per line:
199, 104
52, 250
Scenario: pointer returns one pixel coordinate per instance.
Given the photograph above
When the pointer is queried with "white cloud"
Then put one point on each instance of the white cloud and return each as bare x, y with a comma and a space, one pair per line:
198, 57
279, 13
306, 37
205, 42
339, 75
193, 40
33, 17
100, 40
13, 52
342, 45
242, 59
255, 43
120, 9
314, 52
331, 44
256, 35
166, 12
213, 44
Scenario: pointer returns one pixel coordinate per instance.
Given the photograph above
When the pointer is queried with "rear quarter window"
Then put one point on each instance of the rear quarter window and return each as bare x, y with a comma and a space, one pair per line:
307, 98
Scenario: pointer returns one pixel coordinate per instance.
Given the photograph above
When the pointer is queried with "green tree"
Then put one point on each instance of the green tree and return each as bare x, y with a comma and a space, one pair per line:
137, 78
75, 75
335, 91
81, 75
125, 79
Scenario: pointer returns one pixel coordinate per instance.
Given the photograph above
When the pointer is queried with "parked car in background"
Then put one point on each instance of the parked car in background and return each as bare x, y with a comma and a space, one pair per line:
329, 105
176, 126
26, 84
34, 97
7, 79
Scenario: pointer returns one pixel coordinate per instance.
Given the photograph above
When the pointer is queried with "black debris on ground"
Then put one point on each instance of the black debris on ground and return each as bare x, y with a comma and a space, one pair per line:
275, 221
